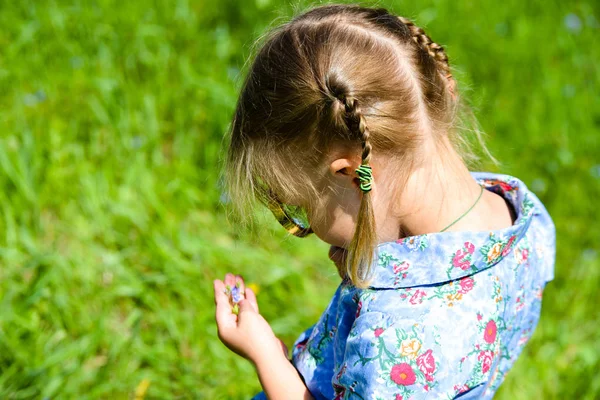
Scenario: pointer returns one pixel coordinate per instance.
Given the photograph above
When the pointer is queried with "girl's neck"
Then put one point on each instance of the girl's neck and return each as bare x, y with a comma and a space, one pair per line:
437, 193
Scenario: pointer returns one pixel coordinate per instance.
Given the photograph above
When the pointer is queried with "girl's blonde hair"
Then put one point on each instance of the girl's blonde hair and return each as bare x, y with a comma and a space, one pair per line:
340, 75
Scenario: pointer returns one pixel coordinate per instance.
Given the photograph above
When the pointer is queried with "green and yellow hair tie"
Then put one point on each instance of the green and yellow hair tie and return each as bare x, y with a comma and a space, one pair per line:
365, 175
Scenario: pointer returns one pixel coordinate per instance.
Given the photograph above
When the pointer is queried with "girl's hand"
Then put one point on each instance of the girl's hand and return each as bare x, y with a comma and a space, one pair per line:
247, 333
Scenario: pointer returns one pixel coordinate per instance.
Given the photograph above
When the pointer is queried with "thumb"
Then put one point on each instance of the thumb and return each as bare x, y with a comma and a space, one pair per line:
246, 306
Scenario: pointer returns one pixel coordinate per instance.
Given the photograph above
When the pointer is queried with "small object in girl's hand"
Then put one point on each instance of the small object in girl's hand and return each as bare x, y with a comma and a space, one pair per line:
236, 294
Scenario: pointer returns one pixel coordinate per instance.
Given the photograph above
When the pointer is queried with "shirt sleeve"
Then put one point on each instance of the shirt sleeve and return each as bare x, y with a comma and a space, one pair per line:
259, 396
389, 357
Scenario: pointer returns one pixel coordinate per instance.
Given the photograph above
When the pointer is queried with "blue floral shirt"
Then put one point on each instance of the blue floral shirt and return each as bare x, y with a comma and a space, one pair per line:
446, 315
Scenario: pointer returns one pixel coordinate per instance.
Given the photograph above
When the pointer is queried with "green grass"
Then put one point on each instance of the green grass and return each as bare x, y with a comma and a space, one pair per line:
111, 227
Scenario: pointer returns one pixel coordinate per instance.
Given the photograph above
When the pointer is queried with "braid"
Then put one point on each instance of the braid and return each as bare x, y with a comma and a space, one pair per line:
353, 115
362, 247
436, 51
358, 124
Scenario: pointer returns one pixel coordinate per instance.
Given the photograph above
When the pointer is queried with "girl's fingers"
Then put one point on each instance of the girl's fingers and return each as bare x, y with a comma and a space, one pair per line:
223, 314
229, 279
252, 298
245, 306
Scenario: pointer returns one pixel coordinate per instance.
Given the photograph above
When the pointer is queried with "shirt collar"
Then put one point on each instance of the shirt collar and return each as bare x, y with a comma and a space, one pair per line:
434, 258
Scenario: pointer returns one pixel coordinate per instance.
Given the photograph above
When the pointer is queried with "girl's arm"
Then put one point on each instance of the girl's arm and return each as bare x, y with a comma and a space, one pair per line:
280, 380
248, 334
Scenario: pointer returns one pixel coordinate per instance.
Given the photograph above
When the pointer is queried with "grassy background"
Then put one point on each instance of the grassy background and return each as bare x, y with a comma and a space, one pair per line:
111, 223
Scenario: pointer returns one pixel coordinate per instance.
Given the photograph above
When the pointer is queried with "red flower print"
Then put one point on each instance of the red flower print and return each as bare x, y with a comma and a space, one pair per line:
378, 332
403, 266
403, 374
505, 186
429, 378
358, 309
469, 247
506, 249
489, 335
525, 254
466, 284
479, 316
458, 260
461, 389
485, 357
426, 388
301, 345
398, 397
417, 298
520, 306
426, 362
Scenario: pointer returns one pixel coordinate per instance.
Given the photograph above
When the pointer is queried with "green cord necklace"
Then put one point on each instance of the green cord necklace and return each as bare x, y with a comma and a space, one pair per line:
459, 218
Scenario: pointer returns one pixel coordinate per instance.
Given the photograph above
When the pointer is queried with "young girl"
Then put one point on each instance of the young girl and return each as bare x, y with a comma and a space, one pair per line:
347, 126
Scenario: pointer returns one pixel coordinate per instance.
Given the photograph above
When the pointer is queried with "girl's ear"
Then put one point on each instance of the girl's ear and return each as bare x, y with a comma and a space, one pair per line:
344, 168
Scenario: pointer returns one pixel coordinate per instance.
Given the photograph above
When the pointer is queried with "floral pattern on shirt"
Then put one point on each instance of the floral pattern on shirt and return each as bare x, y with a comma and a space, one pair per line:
403, 361
446, 314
